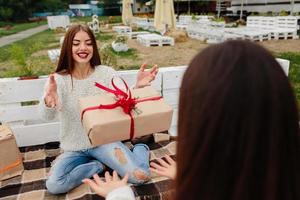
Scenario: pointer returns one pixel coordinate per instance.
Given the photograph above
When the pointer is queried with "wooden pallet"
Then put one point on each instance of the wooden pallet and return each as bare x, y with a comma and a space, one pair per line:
122, 29
133, 35
155, 40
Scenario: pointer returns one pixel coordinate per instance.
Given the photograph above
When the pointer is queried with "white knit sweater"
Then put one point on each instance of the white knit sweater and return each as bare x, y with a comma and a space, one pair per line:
72, 134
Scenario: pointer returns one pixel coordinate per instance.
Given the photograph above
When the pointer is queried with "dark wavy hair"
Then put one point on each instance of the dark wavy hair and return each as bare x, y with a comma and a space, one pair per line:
66, 62
238, 127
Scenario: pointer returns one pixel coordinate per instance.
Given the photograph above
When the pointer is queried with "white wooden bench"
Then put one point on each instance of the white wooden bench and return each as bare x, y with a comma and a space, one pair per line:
281, 27
155, 40
133, 35
144, 23
60, 21
29, 129
122, 29
25, 121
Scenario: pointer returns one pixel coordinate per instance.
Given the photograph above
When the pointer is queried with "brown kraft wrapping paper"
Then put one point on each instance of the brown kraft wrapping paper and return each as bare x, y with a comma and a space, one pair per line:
105, 126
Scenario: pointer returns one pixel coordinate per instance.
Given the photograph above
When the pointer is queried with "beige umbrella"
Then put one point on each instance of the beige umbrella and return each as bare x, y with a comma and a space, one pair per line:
164, 17
126, 12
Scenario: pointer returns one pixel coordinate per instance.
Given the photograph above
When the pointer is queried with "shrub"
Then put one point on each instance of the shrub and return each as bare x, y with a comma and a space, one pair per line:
283, 13
24, 65
121, 39
107, 56
294, 71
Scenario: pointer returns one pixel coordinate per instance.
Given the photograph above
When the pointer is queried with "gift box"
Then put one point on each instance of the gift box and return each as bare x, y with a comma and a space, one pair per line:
11, 159
113, 123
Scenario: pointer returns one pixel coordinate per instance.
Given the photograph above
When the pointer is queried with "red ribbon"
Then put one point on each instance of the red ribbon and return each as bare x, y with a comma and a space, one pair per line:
124, 100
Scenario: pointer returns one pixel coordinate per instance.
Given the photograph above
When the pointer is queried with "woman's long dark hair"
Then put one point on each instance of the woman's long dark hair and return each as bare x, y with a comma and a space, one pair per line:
238, 127
66, 62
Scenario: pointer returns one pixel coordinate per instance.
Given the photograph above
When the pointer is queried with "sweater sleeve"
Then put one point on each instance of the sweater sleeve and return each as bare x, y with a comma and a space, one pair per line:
48, 113
122, 193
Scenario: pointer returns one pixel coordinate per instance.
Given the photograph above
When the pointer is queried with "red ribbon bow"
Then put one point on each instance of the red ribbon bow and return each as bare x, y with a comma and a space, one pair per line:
124, 100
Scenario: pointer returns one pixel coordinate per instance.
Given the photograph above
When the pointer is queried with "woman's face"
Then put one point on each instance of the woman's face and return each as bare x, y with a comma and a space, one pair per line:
82, 48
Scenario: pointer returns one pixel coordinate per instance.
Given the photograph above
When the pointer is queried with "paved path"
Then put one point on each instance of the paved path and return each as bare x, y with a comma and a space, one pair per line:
21, 35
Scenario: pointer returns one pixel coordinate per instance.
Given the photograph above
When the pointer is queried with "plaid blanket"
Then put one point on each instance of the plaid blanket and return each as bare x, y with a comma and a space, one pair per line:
37, 163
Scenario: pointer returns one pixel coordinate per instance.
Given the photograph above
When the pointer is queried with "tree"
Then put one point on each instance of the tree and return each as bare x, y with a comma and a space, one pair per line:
20, 9
5, 14
111, 7
105, 3
50, 6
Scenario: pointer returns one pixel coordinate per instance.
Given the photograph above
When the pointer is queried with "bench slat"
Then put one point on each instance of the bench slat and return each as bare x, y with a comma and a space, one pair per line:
172, 77
36, 134
12, 91
19, 113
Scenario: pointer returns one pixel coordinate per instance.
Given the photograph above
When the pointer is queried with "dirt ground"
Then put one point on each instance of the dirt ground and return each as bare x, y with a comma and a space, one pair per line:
278, 46
179, 54
182, 53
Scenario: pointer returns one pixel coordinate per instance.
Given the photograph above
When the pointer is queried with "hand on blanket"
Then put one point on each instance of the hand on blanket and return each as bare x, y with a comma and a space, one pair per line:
167, 169
144, 78
51, 97
101, 187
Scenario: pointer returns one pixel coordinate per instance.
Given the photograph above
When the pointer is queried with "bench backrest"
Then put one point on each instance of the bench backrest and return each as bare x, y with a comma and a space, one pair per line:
25, 121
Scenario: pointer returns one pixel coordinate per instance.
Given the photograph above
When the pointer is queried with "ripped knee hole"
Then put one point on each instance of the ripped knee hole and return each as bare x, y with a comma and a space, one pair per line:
120, 156
140, 175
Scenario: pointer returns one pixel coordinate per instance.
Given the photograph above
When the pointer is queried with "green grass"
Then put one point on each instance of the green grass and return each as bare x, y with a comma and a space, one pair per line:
44, 41
104, 37
32, 44
131, 67
15, 28
9, 28
130, 54
294, 71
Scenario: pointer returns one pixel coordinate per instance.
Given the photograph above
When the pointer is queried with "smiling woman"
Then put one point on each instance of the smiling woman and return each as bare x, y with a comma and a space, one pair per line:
77, 71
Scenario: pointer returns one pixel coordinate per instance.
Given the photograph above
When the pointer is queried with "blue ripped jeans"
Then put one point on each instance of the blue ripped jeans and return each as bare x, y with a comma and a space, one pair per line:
72, 167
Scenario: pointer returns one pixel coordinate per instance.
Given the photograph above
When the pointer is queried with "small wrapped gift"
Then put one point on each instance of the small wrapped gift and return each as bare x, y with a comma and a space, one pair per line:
120, 115
11, 163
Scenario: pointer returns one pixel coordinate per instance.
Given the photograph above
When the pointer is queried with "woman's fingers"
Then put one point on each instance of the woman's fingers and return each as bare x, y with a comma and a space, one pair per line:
51, 100
155, 72
163, 163
115, 176
125, 178
51, 90
170, 160
159, 172
97, 179
143, 67
52, 80
108, 177
91, 183
153, 69
156, 166
52, 83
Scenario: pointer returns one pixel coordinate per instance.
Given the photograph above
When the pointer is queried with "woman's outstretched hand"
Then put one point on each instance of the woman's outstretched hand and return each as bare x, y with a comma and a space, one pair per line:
111, 183
167, 169
144, 77
51, 97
